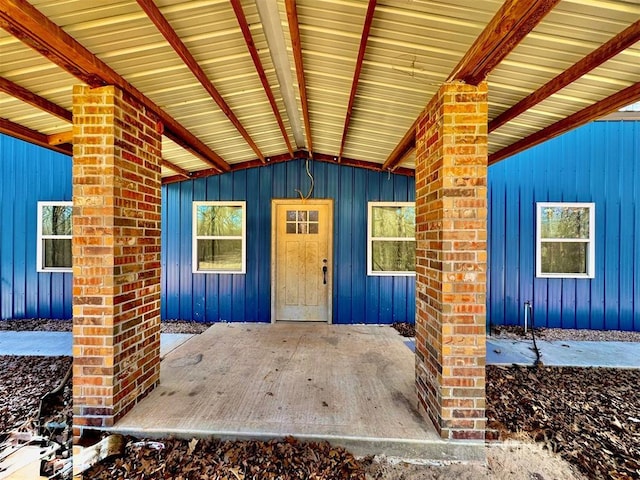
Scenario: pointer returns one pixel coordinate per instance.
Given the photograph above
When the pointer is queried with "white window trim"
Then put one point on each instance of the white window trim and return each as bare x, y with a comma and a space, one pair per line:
39, 245
590, 241
370, 239
195, 237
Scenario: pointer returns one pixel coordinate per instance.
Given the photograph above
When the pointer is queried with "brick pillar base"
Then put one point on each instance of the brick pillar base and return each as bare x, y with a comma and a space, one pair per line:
116, 255
451, 210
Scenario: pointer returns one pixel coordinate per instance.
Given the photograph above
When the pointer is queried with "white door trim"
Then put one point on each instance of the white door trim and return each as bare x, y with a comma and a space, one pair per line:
293, 201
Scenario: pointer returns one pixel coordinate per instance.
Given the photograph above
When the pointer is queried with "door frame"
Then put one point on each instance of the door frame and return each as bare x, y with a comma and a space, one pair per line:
275, 202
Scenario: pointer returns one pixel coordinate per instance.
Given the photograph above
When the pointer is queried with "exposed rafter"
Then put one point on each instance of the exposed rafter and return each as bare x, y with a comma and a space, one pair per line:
294, 30
248, 38
21, 93
617, 44
26, 23
511, 23
608, 105
167, 31
23, 133
356, 74
179, 170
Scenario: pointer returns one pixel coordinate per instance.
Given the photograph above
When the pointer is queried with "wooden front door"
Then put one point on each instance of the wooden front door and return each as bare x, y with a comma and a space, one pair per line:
301, 253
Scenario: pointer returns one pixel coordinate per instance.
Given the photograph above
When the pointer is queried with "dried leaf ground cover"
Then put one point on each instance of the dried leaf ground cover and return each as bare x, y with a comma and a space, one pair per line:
590, 416
214, 459
23, 381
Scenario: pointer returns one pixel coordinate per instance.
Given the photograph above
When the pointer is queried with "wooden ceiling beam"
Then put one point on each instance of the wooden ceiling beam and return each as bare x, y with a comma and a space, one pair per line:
406, 144
23, 133
167, 31
366, 29
255, 56
617, 44
599, 109
294, 31
512, 22
179, 170
21, 93
25, 22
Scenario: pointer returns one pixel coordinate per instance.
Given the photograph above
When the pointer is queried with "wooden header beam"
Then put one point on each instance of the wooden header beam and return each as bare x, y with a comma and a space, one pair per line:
60, 138
255, 56
608, 105
26, 23
617, 44
294, 30
366, 29
167, 31
23, 133
512, 22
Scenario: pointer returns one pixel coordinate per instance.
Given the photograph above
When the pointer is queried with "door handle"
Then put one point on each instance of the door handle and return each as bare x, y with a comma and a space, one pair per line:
324, 271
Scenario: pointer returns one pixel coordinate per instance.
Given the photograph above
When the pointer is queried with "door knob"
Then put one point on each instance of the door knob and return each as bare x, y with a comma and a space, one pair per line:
324, 271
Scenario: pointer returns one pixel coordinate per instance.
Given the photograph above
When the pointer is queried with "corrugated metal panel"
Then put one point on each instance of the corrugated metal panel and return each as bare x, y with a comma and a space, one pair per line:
412, 48
597, 163
29, 174
568, 33
212, 297
408, 56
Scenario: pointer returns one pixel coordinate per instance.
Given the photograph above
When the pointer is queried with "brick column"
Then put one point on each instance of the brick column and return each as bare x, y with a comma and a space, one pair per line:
116, 255
451, 210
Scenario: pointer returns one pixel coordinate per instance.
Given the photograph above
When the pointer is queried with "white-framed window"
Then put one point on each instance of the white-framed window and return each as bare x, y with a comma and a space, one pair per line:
391, 238
565, 240
219, 237
54, 237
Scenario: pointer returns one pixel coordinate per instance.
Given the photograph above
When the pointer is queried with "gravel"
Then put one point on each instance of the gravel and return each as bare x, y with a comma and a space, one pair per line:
564, 334
45, 325
404, 328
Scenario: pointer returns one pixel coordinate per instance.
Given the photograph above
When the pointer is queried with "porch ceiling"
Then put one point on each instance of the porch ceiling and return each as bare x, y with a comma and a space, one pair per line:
357, 73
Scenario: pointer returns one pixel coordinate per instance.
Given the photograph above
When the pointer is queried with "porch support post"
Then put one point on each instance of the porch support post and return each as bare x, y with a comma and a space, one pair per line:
451, 234
116, 255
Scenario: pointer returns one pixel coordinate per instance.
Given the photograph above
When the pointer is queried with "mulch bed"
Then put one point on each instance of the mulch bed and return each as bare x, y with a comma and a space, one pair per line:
590, 416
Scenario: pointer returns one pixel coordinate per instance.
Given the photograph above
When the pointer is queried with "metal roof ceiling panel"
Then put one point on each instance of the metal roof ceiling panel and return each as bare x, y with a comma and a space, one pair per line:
412, 48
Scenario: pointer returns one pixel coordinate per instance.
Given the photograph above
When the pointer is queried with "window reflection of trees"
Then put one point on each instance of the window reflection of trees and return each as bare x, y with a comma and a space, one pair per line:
221, 245
572, 225
57, 222
393, 246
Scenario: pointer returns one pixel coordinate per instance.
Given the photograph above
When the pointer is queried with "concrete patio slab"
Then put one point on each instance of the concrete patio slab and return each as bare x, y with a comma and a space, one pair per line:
350, 385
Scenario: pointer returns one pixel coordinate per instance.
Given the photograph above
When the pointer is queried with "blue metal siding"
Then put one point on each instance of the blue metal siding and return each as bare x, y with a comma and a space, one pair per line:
29, 174
357, 298
596, 163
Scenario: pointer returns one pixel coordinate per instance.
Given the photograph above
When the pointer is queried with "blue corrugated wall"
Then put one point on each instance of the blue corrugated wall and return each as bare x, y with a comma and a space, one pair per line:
29, 174
357, 298
599, 163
